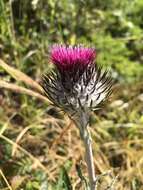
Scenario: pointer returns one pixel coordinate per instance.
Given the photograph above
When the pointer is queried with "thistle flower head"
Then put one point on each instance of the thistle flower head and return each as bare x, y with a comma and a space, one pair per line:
68, 57
77, 82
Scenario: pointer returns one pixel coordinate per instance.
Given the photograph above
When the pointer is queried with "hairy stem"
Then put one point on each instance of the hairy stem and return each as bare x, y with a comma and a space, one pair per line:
89, 159
85, 135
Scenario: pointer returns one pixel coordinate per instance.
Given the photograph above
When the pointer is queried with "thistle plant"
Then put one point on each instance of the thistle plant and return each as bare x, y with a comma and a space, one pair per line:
77, 86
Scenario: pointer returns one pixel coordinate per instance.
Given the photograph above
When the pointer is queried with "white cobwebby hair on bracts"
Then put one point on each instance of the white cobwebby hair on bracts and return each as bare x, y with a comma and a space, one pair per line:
77, 81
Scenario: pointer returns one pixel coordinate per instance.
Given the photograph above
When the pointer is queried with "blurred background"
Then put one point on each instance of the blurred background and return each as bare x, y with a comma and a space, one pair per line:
40, 147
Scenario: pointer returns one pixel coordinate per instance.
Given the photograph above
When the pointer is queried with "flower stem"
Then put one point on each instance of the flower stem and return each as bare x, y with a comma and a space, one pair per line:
86, 138
89, 159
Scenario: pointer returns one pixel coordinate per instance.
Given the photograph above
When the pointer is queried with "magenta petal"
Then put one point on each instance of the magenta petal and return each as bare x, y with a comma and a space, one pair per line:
67, 57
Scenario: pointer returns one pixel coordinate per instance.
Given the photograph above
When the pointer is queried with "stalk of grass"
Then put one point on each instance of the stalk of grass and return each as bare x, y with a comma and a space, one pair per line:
22, 90
6, 181
35, 160
20, 76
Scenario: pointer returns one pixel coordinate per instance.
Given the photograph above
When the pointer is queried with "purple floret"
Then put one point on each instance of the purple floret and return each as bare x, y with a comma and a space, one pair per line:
67, 58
